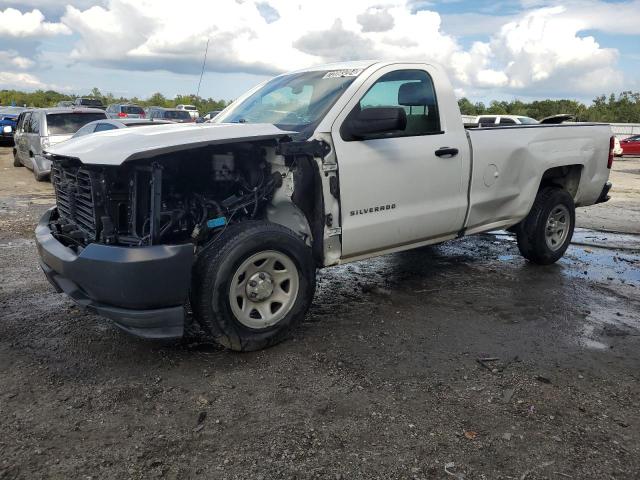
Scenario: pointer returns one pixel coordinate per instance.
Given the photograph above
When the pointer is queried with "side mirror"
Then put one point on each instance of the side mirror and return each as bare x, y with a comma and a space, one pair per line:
199, 120
375, 121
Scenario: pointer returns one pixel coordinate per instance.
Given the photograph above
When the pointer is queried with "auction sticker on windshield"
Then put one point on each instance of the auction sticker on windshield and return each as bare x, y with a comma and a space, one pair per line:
348, 72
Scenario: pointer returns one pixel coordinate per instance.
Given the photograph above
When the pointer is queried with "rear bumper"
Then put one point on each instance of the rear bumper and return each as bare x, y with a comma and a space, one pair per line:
142, 289
604, 195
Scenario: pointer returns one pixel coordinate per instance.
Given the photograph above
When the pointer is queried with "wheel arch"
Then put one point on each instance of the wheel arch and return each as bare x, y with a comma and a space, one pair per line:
306, 199
566, 177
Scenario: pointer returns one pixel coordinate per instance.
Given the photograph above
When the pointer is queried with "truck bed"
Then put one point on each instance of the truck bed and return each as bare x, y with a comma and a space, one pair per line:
509, 161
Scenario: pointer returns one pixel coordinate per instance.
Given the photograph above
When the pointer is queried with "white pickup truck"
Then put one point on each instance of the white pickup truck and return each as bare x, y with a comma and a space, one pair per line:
226, 222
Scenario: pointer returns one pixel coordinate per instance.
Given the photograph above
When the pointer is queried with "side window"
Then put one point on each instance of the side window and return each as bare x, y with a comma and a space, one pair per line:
104, 127
487, 121
35, 123
26, 123
20, 122
411, 90
507, 121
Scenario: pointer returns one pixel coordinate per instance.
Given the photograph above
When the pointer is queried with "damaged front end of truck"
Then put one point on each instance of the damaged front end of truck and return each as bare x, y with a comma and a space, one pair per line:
128, 228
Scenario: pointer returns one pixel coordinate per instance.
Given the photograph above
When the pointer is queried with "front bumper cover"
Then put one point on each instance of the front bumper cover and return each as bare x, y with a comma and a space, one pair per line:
142, 289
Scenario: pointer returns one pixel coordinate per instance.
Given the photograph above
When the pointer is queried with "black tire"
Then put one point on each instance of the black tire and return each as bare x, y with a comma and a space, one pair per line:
531, 232
16, 161
215, 268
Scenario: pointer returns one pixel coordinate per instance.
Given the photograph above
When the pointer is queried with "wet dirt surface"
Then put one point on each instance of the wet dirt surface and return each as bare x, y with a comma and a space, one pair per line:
461, 358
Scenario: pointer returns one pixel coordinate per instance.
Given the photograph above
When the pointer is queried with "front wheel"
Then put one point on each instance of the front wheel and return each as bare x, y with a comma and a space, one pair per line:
253, 285
16, 160
545, 234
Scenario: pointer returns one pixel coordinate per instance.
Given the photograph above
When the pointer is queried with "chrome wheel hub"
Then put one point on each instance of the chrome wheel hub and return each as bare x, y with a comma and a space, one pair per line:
557, 227
260, 286
264, 289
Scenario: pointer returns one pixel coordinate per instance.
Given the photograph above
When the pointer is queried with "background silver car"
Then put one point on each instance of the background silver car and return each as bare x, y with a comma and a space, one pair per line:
112, 124
125, 110
37, 129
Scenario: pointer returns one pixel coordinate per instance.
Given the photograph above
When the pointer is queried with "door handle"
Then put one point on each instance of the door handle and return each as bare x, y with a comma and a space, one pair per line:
446, 152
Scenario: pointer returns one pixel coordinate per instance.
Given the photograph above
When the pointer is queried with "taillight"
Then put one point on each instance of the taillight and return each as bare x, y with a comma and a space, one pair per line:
122, 115
612, 144
142, 115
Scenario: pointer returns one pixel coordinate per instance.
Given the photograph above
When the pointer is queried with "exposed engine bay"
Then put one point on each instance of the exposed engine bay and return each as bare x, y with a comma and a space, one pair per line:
185, 196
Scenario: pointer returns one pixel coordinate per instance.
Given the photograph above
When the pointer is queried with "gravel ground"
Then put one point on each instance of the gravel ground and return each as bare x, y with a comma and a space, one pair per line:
456, 361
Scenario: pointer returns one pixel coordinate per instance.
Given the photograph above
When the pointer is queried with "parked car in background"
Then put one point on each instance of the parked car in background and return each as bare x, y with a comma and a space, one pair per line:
8, 121
38, 129
631, 145
172, 114
193, 111
65, 104
88, 102
501, 120
113, 124
125, 110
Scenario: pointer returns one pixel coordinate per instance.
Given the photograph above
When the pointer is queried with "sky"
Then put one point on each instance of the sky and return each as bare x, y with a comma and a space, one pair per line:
492, 49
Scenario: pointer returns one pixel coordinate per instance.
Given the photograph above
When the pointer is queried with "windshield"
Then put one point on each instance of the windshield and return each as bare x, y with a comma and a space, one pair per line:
527, 121
292, 102
68, 123
90, 102
176, 114
132, 110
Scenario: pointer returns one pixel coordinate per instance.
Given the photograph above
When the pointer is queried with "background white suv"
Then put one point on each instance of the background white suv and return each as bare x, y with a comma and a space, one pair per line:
193, 111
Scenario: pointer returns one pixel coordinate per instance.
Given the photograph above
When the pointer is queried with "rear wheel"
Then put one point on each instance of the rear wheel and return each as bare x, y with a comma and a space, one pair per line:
253, 285
545, 234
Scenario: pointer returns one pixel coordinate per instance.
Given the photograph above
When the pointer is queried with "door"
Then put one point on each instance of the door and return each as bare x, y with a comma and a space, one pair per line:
34, 143
401, 187
21, 138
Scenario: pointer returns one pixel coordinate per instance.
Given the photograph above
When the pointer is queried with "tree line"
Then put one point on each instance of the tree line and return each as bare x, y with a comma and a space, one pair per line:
49, 98
623, 108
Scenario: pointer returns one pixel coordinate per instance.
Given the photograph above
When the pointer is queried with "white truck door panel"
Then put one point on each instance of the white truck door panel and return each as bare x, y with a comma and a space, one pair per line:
395, 190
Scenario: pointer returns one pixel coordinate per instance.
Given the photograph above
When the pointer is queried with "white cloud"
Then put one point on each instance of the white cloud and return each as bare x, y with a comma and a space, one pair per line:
14, 23
376, 19
11, 59
620, 17
544, 47
21, 81
540, 49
